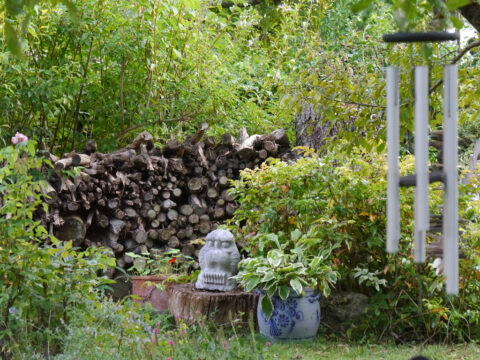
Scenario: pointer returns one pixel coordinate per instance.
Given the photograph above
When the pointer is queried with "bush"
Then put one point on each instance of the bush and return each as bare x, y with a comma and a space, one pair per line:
42, 280
341, 205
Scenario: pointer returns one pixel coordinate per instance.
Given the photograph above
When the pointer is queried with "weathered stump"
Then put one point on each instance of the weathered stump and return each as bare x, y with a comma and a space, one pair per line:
187, 303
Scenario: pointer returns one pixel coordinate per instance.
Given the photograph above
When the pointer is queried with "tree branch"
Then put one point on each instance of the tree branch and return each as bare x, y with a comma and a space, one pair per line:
461, 53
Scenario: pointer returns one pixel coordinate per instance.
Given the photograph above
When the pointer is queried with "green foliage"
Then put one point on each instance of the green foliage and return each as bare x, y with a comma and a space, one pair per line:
413, 16
165, 66
122, 67
340, 207
172, 263
126, 331
42, 280
290, 265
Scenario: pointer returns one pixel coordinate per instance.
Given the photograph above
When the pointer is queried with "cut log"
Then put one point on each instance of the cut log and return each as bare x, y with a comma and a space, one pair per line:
63, 164
188, 304
195, 185
280, 137
186, 210
80, 160
140, 236
116, 225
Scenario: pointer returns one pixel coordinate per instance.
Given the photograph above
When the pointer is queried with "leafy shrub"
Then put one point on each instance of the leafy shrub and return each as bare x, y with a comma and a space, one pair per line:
126, 331
42, 280
341, 205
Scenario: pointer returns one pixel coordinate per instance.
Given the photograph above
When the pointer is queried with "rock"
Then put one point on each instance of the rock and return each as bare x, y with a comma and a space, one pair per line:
122, 287
342, 309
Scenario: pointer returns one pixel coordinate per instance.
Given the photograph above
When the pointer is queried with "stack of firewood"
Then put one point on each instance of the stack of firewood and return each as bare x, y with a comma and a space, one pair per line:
143, 197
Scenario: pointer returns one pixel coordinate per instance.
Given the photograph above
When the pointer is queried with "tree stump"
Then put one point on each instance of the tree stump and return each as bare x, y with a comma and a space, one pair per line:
187, 303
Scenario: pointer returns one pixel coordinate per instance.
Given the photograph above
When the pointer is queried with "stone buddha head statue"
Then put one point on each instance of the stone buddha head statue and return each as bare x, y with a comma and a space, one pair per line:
219, 260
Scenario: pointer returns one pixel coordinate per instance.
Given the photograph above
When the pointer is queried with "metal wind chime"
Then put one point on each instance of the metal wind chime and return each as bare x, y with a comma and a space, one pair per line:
422, 177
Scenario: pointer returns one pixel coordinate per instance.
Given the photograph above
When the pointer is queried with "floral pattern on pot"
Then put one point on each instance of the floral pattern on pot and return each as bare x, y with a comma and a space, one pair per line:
296, 318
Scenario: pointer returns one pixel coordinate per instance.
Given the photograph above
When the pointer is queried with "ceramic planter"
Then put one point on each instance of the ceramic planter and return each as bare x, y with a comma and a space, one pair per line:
296, 318
150, 293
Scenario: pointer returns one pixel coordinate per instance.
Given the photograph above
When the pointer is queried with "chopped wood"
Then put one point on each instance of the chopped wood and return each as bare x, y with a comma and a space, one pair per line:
143, 197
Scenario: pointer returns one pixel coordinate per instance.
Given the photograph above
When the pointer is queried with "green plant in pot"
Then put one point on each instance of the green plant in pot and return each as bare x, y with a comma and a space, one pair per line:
290, 279
156, 270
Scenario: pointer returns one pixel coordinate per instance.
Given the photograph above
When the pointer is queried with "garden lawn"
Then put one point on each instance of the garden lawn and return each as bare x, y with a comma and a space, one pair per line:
335, 350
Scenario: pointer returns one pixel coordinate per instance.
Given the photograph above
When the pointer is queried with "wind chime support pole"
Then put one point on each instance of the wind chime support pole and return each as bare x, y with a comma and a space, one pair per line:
422, 221
450, 143
393, 141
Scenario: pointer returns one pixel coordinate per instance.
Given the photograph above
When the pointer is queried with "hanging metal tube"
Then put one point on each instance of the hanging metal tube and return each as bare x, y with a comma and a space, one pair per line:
422, 221
450, 157
393, 140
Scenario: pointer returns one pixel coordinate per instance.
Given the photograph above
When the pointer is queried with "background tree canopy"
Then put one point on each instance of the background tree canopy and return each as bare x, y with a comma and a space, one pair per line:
109, 70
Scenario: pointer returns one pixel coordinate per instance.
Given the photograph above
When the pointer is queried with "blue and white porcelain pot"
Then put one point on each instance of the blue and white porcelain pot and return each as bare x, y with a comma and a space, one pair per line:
296, 318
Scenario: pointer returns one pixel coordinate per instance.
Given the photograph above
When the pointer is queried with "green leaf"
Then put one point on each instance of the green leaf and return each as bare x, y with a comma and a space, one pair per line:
111, 262
284, 291
456, 22
274, 258
274, 238
12, 41
455, 4
72, 9
251, 283
295, 234
267, 307
360, 5
315, 262
192, 4
296, 285
177, 53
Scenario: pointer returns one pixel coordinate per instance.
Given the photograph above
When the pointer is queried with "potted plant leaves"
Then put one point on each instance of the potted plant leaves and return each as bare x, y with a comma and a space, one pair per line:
154, 271
290, 280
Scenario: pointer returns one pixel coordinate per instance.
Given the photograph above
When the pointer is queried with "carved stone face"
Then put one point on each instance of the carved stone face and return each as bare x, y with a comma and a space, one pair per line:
219, 260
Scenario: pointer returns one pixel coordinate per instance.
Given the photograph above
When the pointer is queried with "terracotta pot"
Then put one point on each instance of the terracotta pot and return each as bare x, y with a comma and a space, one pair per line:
150, 293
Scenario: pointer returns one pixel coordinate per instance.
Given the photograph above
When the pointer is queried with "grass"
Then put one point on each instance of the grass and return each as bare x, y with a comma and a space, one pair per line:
111, 331
335, 350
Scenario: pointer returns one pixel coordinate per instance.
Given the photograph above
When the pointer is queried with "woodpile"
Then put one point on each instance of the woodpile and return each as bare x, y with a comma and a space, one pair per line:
142, 197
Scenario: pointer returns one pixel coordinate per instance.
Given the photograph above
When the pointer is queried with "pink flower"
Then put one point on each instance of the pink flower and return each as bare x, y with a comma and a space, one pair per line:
158, 323
269, 344
171, 342
225, 346
184, 331
154, 341
155, 331
19, 138
169, 358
